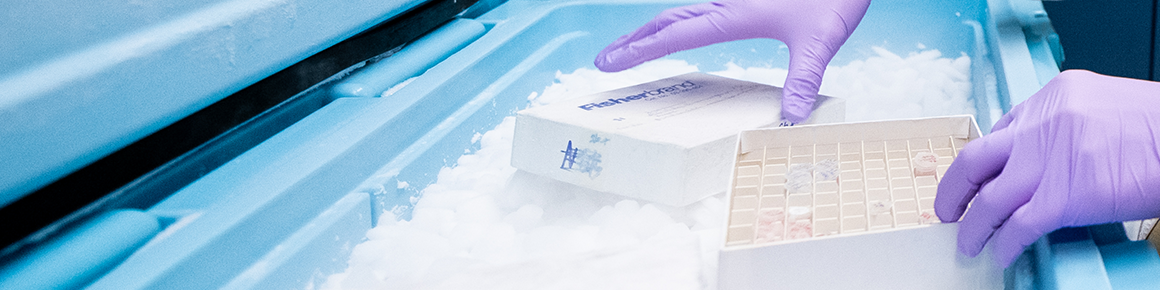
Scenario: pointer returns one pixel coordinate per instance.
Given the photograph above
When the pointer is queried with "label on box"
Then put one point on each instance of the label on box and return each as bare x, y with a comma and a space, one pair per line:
620, 111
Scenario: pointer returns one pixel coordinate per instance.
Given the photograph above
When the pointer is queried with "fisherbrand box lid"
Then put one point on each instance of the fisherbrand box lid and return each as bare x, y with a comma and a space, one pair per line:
667, 141
683, 110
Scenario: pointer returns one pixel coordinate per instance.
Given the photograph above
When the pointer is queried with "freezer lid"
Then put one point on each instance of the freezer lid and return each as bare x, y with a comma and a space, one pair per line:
82, 80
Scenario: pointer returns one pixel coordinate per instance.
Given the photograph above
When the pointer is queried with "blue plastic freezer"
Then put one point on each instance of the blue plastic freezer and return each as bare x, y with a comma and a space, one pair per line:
286, 213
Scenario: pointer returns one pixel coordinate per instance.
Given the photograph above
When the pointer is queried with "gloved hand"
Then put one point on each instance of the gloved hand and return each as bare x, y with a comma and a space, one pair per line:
811, 29
1083, 150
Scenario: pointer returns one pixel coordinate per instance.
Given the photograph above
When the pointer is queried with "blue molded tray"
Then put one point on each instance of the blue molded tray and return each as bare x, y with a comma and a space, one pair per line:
258, 219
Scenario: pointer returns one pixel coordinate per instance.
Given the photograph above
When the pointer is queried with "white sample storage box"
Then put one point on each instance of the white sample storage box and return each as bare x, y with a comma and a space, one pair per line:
667, 141
847, 206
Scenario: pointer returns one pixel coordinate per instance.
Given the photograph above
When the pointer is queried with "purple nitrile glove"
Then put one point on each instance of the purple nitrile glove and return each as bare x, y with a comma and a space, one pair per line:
1083, 150
811, 29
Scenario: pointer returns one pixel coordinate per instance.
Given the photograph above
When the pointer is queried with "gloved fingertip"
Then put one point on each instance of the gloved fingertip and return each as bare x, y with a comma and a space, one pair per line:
603, 64
969, 241
609, 60
969, 250
796, 110
950, 218
955, 191
950, 211
794, 116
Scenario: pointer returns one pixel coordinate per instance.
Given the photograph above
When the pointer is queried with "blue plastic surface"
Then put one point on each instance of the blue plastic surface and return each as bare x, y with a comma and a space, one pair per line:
320, 246
80, 80
1131, 265
374, 79
256, 220
1021, 41
246, 208
82, 254
1069, 259
1094, 257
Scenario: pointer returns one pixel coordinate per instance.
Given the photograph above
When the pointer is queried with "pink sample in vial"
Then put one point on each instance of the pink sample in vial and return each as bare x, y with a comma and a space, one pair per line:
800, 225
924, 163
770, 225
770, 232
928, 217
800, 229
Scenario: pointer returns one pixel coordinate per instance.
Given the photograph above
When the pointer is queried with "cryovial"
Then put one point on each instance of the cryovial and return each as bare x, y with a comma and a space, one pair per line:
924, 163
799, 178
826, 170
799, 221
879, 207
879, 213
770, 225
800, 230
799, 213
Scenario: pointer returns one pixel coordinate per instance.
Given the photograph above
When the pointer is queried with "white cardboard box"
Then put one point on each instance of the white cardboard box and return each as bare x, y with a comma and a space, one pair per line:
867, 224
668, 141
